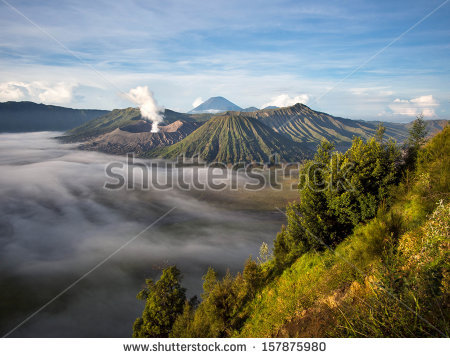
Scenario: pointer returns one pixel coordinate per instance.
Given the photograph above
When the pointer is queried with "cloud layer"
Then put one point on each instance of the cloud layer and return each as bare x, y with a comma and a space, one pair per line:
36, 91
57, 222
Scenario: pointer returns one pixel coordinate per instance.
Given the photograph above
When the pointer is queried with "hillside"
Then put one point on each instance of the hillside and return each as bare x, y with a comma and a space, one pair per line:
305, 125
367, 262
215, 105
389, 278
139, 139
119, 118
434, 126
31, 117
231, 138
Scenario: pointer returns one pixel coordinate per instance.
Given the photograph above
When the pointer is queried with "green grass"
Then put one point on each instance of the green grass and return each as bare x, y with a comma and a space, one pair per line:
362, 289
389, 278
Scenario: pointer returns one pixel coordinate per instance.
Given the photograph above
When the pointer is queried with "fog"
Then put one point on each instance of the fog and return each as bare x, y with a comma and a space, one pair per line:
57, 222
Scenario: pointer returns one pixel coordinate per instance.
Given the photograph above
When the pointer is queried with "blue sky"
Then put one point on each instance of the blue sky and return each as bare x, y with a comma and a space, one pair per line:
254, 53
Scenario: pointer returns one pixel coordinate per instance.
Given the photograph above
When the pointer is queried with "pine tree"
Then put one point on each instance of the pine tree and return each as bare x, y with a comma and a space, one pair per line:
416, 139
164, 301
379, 134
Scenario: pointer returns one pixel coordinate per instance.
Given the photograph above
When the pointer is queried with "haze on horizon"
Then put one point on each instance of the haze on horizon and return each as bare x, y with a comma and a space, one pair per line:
361, 59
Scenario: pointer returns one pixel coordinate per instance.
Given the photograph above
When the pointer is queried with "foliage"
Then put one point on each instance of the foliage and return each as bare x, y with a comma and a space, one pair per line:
415, 141
223, 307
409, 296
264, 253
379, 134
164, 301
389, 277
433, 164
337, 191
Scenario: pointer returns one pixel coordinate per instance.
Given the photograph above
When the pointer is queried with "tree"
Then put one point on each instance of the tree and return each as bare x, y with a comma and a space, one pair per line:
164, 301
209, 282
264, 253
433, 167
374, 170
281, 249
253, 278
182, 327
337, 191
416, 139
379, 134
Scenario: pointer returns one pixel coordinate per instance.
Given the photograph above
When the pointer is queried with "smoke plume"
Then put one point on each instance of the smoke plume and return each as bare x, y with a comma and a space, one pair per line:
150, 110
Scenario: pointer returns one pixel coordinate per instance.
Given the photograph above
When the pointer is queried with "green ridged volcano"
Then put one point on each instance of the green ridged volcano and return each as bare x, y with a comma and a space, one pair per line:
233, 138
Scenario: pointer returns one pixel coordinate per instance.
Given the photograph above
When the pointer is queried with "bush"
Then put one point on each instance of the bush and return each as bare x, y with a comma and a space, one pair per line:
164, 301
337, 191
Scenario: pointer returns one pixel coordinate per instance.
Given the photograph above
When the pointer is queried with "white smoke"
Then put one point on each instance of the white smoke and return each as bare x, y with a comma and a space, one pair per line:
150, 110
197, 102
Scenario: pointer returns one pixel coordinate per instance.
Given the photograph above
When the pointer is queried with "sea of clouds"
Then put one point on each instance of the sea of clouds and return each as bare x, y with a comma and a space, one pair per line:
57, 222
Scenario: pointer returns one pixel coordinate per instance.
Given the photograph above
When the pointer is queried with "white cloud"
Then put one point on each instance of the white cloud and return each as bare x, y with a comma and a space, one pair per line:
197, 102
412, 107
58, 93
284, 100
10, 91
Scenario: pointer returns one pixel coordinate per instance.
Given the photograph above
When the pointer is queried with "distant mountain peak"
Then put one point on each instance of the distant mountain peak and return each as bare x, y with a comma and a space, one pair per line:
250, 109
215, 105
271, 107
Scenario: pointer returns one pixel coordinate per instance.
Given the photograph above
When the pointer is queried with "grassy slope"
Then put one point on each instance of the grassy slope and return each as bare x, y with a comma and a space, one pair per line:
375, 281
231, 138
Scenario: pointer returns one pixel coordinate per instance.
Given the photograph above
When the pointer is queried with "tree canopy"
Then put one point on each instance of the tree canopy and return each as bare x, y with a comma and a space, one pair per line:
336, 192
164, 301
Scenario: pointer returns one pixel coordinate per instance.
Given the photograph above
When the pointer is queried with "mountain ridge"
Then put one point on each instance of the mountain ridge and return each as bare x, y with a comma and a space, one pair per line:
298, 127
305, 125
233, 137
26, 116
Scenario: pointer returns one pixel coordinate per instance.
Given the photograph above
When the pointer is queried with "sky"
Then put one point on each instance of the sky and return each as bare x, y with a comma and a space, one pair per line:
372, 60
